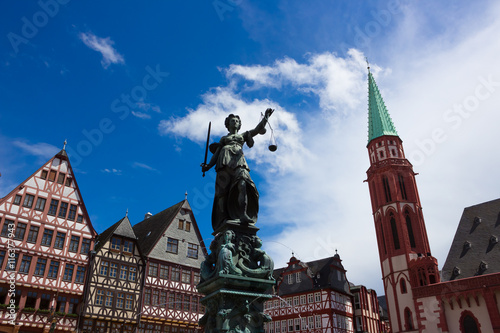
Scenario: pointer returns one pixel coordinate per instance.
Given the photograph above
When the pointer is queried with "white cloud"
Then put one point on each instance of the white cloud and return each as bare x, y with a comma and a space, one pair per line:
41, 149
113, 171
103, 46
141, 115
143, 166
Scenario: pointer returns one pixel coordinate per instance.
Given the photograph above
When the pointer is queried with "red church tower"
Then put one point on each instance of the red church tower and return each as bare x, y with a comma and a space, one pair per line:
404, 250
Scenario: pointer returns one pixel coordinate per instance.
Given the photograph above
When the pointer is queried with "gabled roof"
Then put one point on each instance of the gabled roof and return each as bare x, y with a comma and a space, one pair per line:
379, 120
121, 228
475, 249
151, 229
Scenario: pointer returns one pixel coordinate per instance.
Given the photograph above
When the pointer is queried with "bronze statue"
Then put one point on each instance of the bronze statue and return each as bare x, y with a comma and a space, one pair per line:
236, 196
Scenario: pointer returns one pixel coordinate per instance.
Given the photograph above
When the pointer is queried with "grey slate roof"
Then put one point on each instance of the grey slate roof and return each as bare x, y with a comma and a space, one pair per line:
121, 228
151, 229
475, 249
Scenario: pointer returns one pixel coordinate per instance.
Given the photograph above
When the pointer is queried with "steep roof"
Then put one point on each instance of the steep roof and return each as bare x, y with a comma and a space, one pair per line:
121, 228
151, 229
379, 120
475, 249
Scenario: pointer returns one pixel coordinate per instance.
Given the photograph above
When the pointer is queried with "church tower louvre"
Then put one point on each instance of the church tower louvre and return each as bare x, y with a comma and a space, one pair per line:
404, 250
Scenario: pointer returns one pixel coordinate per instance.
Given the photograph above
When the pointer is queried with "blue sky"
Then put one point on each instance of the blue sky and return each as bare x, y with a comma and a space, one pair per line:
132, 87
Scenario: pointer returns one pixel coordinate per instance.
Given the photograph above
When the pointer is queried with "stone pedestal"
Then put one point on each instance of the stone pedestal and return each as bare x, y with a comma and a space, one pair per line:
236, 279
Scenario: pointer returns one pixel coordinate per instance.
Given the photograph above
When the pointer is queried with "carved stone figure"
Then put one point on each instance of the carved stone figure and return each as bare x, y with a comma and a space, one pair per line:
236, 197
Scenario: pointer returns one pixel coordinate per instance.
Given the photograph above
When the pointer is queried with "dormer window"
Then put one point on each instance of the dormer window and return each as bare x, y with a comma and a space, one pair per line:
115, 243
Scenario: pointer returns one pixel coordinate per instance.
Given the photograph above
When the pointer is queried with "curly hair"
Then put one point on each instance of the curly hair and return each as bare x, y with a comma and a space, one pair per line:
228, 119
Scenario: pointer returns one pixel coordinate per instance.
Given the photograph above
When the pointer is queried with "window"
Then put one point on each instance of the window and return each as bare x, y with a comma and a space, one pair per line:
99, 297
73, 303
2, 257
394, 230
163, 298
303, 324
310, 321
147, 297
73, 244
185, 303
43, 175
31, 299
104, 268
52, 175
310, 298
181, 224
59, 243
172, 245
63, 209
178, 301
80, 275
469, 323
61, 304
12, 262
176, 274
129, 302
60, 178
196, 278
72, 212
115, 243
68, 272
402, 187
8, 227
128, 246
408, 320
357, 304
33, 234
410, 229
290, 279
317, 297
79, 219
17, 199
171, 300
302, 299
297, 277
68, 181
28, 200
113, 268
45, 302
290, 325
387, 189
163, 271
53, 207
403, 286
40, 266
155, 298
132, 273
186, 277
187, 226
25, 264
192, 251
123, 272
295, 300
120, 299
109, 299
153, 269
40, 204
85, 246
20, 231
318, 321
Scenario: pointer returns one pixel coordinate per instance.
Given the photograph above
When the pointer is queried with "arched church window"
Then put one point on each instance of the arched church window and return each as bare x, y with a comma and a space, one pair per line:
394, 229
402, 283
408, 320
387, 189
402, 187
410, 229
383, 236
469, 323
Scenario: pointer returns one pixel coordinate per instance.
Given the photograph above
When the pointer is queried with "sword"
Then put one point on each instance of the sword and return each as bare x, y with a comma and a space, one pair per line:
206, 148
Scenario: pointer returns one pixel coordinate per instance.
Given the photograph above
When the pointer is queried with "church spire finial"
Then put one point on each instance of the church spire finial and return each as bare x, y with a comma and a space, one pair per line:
65, 143
367, 64
186, 195
126, 213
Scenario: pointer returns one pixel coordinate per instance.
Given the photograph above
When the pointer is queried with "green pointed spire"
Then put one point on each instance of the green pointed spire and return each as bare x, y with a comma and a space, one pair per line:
379, 120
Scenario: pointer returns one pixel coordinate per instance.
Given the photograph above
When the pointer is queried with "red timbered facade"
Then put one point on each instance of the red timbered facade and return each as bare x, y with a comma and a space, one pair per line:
311, 297
367, 311
113, 292
464, 298
173, 248
46, 235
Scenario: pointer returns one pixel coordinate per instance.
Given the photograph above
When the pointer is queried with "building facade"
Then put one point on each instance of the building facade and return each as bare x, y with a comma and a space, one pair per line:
311, 297
113, 292
46, 236
173, 248
367, 311
465, 298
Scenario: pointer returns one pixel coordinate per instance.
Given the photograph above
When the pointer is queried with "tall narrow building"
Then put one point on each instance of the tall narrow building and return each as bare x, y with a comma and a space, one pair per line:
46, 236
404, 250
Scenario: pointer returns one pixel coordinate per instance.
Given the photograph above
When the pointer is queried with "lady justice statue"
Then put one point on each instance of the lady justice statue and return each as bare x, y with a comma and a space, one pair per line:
236, 197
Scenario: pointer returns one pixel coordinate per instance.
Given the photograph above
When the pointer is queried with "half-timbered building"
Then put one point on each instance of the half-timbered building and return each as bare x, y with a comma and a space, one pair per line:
172, 245
311, 297
46, 235
112, 300
367, 310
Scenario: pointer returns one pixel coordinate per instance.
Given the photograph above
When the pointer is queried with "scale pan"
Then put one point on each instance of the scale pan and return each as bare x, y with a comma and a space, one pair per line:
273, 147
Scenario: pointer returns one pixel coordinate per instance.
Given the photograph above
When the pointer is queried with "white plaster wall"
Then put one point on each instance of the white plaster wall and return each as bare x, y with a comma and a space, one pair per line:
480, 312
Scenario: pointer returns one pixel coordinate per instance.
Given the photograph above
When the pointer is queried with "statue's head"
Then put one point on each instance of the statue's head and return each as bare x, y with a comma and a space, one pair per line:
227, 122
